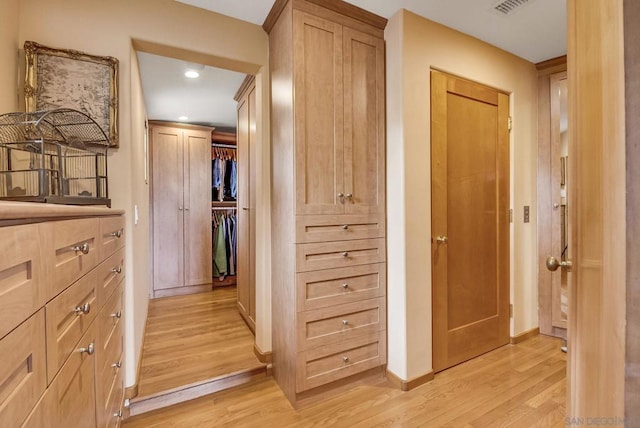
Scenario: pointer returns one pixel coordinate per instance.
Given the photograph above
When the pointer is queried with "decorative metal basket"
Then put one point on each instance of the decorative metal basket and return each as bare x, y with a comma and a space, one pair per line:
57, 156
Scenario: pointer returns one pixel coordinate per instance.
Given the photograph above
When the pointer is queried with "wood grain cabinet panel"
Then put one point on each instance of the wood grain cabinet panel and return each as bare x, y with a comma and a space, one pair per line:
322, 228
22, 275
329, 287
23, 370
73, 398
323, 365
111, 273
339, 254
74, 251
111, 235
341, 323
68, 316
109, 341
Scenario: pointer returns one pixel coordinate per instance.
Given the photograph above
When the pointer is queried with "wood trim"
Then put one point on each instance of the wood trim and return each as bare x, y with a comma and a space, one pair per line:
263, 357
181, 291
181, 125
223, 137
247, 83
408, 385
198, 389
337, 6
519, 338
552, 66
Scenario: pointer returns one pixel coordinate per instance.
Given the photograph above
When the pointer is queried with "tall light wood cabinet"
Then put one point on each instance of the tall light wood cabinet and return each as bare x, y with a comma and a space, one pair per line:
328, 197
246, 138
181, 189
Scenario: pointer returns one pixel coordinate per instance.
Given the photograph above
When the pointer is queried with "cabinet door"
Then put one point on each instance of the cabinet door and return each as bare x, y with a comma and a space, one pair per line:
364, 129
197, 208
168, 267
318, 115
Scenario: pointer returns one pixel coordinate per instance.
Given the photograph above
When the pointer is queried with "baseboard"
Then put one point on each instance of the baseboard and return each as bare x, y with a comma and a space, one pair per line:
263, 357
192, 391
181, 291
524, 336
408, 385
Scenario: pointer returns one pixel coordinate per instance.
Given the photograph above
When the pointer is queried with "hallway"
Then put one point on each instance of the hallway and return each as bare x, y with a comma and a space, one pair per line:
520, 385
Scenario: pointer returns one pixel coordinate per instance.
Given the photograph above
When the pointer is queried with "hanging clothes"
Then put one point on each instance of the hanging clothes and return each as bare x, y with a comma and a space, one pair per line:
224, 243
224, 179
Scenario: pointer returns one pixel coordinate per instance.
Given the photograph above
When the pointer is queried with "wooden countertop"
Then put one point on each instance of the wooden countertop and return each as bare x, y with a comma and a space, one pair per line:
30, 212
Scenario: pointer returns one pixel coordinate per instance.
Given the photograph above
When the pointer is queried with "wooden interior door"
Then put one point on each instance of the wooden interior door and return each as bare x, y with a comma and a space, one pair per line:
364, 130
253, 138
318, 115
470, 219
168, 214
244, 212
197, 208
598, 242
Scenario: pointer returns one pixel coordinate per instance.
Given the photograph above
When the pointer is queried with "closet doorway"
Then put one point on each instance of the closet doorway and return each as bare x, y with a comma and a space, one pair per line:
200, 327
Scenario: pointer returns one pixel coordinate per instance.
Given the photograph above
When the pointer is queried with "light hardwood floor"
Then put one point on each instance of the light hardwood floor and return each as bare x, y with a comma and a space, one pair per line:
193, 338
514, 386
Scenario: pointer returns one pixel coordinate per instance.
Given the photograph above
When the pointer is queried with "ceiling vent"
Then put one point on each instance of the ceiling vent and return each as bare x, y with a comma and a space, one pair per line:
509, 7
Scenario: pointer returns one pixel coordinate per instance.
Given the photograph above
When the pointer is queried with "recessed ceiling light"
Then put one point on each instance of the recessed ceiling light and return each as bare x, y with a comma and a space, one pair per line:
183, 118
192, 74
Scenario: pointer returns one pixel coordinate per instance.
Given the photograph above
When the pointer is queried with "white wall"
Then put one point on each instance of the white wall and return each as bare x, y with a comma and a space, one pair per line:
9, 11
414, 46
164, 27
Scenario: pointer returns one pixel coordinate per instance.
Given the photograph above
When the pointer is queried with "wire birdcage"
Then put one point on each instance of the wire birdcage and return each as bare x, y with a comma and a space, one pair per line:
56, 156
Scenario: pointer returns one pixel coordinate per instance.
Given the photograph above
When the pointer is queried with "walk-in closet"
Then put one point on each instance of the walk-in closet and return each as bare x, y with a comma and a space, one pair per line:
201, 321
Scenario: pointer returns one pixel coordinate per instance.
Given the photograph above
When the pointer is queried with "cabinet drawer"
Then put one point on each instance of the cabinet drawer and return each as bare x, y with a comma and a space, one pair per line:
22, 277
40, 416
109, 342
111, 235
329, 287
339, 254
68, 316
110, 397
73, 399
319, 366
110, 275
322, 228
74, 252
340, 323
23, 370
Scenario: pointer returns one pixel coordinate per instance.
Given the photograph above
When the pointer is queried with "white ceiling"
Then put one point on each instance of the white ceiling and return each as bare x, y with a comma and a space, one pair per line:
536, 32
168, 94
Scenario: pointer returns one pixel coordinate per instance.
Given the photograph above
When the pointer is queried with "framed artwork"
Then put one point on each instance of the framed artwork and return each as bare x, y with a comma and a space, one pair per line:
58, 78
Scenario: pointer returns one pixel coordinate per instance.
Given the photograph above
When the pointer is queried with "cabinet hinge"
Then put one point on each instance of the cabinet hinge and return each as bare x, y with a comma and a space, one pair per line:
511, 310
510, 124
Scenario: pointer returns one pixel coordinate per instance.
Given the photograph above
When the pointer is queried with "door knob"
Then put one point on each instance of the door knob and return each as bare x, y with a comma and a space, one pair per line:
442, 239
553, 264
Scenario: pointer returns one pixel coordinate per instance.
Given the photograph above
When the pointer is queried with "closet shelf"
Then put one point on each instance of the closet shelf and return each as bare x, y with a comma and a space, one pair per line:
223, 204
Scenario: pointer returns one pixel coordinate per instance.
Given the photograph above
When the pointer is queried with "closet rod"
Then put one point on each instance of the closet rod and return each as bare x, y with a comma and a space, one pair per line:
223, 208
226, 146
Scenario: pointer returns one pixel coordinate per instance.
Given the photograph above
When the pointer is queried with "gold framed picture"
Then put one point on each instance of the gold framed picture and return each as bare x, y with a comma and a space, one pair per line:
58, 78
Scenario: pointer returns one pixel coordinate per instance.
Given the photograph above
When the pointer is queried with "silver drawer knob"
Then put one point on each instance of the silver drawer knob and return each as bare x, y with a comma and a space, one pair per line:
345, 322
348, 196
83, 310
118, 414
345, 254
82, 248
341, 195
117, 315
345, 359
89, 349
116, 365
345, 286
117, 269
117, 233
345, 226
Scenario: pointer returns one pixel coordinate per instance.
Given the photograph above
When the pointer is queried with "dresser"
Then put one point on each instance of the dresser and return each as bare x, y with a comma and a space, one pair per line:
61, 315
328, 195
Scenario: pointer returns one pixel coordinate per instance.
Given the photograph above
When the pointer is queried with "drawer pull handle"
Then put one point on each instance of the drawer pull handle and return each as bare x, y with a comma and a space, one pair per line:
345, 226
117, 269
89, 349
82, 248
341, 195
345, 322
345, 286
345, 254
117, 233
117, 365
345, 359
117, 315
83, 310
118, 414
348, 196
